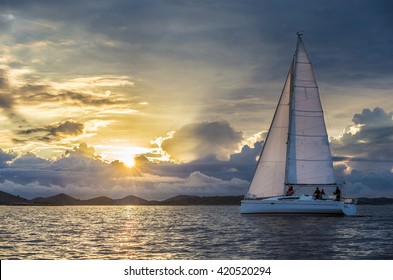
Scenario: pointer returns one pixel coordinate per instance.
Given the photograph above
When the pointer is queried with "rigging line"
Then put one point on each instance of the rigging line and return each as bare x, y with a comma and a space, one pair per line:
309, 116
305, 87
309, 160
305, 111
309, 135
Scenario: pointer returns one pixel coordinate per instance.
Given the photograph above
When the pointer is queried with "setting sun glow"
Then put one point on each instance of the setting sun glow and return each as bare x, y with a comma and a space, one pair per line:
124, 154
128, 160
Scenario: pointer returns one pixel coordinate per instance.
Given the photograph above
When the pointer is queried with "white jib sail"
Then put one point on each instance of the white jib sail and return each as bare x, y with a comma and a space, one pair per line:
309, 158
270, 172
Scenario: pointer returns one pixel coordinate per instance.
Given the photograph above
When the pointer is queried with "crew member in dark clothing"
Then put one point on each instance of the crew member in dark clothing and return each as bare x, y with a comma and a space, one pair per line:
317, 193
337, 193
290, 191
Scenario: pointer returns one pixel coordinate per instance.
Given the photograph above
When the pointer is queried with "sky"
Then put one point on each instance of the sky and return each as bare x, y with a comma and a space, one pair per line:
160, 98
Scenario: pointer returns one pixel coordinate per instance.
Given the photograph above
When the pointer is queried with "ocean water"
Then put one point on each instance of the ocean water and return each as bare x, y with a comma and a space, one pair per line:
190, 232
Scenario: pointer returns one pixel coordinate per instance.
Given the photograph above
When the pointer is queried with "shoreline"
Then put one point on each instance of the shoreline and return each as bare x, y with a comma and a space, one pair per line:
180, 200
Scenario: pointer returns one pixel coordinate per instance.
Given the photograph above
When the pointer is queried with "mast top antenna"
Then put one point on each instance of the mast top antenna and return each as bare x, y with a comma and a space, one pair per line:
299, 34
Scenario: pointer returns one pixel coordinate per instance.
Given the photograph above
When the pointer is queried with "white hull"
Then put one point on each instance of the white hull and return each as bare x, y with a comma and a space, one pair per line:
297, 205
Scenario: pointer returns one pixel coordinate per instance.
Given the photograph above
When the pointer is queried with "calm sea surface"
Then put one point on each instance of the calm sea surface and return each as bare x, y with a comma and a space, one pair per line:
190, 232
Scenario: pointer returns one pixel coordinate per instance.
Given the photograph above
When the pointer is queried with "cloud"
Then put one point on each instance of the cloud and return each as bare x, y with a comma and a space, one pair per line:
77, 98
6, 158
365, 155
363, 183
87, 91
83, 151
7, 100
67, 128
3, 79
96, 81
28, 90
30, 161
375, 118
80, 167
198, 140
29, 190
54, 131
239, 165
198, 183
80, 171
369, 139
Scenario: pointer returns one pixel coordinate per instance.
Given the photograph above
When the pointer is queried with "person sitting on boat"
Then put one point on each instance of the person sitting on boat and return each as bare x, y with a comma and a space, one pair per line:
317, 193
290, 191
337, 193
323, 194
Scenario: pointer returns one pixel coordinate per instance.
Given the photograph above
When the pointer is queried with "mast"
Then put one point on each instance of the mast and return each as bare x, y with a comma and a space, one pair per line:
299, 37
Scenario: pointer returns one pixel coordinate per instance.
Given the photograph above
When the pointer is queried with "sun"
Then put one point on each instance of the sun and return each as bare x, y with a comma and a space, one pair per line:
129, 161
124, 154
121, 153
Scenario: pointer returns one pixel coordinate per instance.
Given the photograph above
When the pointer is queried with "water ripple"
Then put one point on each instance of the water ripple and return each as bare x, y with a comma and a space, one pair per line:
190, 232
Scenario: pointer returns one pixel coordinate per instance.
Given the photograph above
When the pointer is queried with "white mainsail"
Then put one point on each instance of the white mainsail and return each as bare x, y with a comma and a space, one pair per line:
309, 158
296, 150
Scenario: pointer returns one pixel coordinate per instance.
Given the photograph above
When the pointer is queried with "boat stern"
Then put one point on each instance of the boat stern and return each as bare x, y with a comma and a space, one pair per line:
349, 209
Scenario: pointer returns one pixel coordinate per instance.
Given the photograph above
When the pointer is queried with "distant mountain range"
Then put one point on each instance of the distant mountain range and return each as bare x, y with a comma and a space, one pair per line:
63, 199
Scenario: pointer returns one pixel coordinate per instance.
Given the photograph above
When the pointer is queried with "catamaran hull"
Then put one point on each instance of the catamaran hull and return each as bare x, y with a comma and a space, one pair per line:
298, 206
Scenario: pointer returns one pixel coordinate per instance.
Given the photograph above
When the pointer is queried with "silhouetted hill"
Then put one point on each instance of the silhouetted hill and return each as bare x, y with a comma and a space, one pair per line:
131, 200
9, 199
375, 201
101, 200
59, 199
179, 199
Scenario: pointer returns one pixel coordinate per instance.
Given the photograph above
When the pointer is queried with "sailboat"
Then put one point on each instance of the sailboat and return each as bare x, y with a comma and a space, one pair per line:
296, 154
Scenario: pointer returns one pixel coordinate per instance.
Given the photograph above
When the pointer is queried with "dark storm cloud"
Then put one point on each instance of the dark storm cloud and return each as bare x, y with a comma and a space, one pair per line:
79, 166
361, 183
201, 139
239, 165
370, 137
75, 97
365, 154
355, 36
54, 131
67, 128
83, 150
6, 101
375, 118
